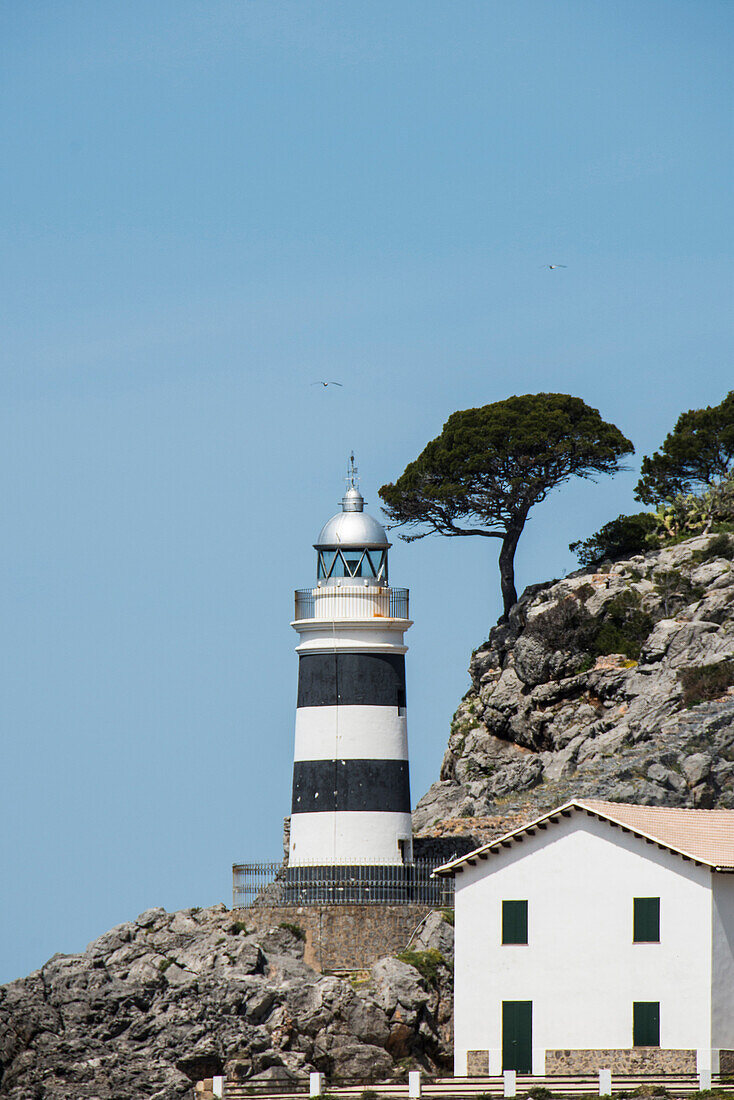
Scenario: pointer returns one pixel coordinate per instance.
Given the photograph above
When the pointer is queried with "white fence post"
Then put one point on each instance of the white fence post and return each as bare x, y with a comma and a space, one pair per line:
509, 1078
605, 1082
218, 1086
704, 1067
316, 1084
414, 1084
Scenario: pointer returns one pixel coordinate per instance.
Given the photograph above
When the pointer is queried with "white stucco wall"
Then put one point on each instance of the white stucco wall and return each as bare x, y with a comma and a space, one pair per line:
581, 969
722, 991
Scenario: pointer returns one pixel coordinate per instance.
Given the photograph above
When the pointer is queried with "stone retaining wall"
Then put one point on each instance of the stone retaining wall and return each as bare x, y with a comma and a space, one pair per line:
629, 1060
341, 937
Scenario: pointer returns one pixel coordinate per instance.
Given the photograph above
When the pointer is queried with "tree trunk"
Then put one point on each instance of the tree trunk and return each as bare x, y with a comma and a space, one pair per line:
507, 571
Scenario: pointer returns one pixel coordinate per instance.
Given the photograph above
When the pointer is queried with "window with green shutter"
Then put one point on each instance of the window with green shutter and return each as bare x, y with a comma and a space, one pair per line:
646, 920
514, 922
646, 1024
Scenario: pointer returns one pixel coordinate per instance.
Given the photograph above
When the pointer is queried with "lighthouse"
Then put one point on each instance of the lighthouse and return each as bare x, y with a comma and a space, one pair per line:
351, 790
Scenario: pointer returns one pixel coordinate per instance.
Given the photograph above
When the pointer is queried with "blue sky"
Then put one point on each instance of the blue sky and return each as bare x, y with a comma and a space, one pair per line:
204, 207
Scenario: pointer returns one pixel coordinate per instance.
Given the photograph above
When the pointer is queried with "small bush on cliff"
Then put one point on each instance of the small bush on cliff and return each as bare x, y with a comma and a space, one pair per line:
565, 625
720, 546
624, 627
622, 537
701, 683
568, 626
675, 590
427, 963
722, 504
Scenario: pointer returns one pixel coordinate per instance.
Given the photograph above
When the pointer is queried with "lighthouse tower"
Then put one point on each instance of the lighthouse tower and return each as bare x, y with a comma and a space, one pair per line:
351, 791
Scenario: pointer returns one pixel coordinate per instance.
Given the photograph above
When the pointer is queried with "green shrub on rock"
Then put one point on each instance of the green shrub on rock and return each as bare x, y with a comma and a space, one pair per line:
720, 546
427, 963
567, 623
625, 626
675, 590
700, 683
622, 627
622, 537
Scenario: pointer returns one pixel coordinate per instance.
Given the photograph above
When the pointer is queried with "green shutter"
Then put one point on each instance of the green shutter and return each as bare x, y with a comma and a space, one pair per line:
646, 1024
646, 920
517, 1036
514, 922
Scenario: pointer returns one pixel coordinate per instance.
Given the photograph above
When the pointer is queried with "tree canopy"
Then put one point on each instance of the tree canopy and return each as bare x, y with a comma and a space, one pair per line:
697, 453
489, 466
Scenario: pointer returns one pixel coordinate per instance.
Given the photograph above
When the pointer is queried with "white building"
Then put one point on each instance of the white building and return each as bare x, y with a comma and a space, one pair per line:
598, 936
351, 787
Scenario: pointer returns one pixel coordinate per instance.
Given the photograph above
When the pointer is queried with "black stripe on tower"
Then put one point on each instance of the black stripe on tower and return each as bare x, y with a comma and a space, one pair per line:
328, 785
372, 679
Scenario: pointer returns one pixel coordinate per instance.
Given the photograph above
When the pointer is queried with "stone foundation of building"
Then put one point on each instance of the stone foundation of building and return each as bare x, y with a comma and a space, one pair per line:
341, 937
726, 1062
477, 1063
630, 1060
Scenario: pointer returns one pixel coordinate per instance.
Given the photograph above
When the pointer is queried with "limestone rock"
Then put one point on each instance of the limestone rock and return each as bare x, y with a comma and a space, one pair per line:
697, 768
159, 1002
436, 934
581, 693
398, 987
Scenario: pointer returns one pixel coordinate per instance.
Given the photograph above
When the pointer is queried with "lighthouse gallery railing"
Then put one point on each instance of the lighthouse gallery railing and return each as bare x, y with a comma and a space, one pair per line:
275, 884
351, 602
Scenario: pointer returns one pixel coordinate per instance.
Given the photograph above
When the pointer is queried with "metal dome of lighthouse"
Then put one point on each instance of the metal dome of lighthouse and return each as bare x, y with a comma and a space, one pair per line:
352, 544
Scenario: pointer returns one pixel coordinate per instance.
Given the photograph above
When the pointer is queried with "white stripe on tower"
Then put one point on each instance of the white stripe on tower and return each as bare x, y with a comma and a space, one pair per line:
351, 733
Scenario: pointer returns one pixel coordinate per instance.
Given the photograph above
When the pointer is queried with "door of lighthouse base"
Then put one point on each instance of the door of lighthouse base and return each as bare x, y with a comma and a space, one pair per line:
517, 1036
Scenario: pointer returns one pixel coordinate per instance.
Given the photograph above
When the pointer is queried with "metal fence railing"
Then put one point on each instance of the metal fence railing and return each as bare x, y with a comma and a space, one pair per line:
351, 602
275, 884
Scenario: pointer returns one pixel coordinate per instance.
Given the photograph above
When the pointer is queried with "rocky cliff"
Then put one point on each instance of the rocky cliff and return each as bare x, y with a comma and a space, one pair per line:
165, 1000
615, 684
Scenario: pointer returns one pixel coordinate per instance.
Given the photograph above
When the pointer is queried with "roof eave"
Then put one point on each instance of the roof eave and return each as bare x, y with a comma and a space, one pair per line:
484, 849
456, 866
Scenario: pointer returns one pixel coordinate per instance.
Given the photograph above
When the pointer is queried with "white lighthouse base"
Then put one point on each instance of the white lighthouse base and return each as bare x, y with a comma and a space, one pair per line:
349, 837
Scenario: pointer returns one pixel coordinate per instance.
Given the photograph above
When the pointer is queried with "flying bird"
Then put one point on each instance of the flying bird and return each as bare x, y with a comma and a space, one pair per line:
552, 267
326, 383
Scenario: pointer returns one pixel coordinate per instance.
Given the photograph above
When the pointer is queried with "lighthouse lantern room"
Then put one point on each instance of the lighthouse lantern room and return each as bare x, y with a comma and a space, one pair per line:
351, 790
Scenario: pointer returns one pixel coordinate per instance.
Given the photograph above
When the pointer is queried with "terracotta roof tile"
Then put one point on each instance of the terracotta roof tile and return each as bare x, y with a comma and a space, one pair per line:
706, 835
703, 835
